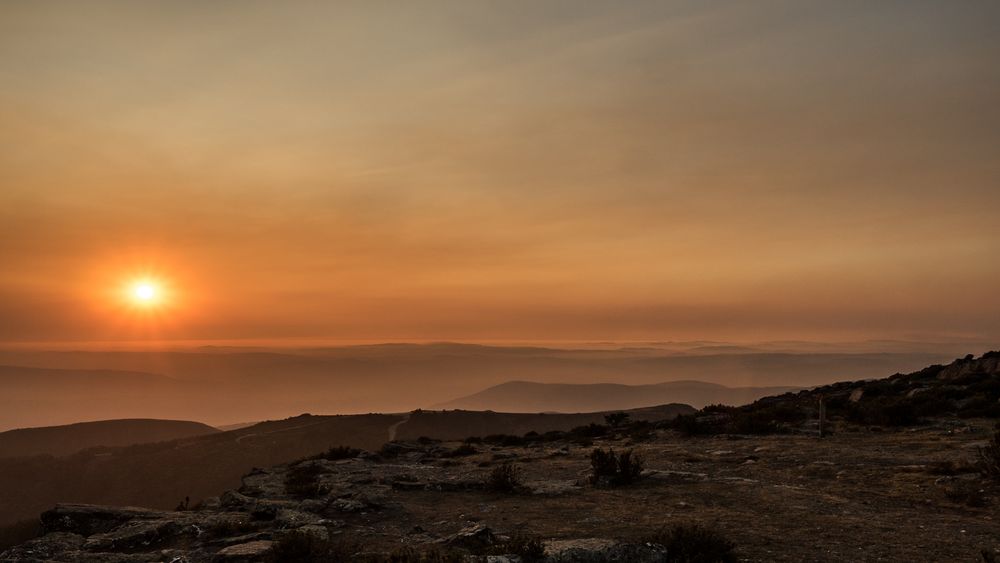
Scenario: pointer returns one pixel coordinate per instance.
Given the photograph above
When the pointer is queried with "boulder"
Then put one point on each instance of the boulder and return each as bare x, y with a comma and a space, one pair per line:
474, 537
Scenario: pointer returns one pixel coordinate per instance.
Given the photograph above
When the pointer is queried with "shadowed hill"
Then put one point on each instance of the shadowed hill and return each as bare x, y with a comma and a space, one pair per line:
159, 475
966, 388
526, 396
458, 424
71, 438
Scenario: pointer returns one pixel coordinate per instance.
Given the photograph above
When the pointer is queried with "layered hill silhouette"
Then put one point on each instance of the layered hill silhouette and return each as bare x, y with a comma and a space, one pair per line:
527, 396
71, 438
220, 386
161, 474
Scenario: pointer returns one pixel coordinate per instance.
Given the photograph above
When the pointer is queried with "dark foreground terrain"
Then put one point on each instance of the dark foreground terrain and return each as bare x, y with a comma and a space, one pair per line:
910, 472
898, 496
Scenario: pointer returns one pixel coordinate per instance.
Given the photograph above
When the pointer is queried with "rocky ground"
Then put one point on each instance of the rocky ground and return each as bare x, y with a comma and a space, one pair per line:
858, 495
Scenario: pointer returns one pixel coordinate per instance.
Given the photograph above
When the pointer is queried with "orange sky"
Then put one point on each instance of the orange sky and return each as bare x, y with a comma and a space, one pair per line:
468, 171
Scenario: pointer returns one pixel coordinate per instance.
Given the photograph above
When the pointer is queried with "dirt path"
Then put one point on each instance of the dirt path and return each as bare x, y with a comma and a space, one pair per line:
245, 436
394, 427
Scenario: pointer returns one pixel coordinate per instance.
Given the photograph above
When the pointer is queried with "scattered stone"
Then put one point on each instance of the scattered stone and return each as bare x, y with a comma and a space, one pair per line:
673, 476
598, 550
347, 505
250, 551
474, 537
134, 536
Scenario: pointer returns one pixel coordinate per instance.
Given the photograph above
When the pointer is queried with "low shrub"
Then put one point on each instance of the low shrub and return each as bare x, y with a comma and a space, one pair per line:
989, 457
335, 453
461, 451
590, 431
505, 478
303, 480
616, 419
609, 468
412, 555
506, 440
689, 425
692, 543
300, 547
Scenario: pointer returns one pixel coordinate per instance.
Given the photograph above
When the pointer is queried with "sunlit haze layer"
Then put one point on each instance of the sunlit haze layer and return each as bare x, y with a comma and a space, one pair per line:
555, 171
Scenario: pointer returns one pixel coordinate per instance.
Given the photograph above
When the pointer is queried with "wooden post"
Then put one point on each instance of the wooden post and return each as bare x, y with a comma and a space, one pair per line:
822, 417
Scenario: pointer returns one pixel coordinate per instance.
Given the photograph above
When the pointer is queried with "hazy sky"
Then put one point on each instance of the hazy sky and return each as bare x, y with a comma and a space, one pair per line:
511, 170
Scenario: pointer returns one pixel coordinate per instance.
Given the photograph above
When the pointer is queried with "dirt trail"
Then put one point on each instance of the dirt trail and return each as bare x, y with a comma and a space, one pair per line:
245, 436
394, 427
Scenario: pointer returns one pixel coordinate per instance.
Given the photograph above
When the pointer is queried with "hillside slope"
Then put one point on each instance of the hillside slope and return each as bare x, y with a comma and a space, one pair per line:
159, 475
527, 396
966, 388
71, 438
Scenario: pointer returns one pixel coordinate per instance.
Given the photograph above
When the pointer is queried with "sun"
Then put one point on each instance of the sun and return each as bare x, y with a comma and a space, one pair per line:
144, 292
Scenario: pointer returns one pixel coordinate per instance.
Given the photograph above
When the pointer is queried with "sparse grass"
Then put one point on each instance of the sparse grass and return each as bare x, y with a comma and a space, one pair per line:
610, 468
462, 451
505, 478
753, 419
505, 440
335, 453
529, 548
693, 543
299, 547
411, 555
232, 528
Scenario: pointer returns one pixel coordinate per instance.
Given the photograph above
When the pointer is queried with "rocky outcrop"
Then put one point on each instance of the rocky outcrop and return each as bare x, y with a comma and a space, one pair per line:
988, 364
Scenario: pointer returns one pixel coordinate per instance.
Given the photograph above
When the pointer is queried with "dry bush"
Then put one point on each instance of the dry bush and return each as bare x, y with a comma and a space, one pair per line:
692, 543
609, 468
505, 478
989, 457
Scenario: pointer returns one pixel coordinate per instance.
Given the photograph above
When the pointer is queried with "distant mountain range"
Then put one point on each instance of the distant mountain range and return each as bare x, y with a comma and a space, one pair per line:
527, 396
221, 386
71, 438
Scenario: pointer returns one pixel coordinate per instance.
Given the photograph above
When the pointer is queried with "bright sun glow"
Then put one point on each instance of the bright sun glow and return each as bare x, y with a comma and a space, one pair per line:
145, 292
